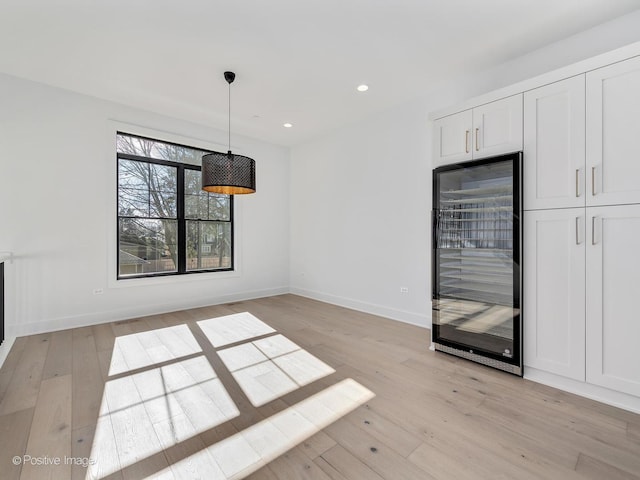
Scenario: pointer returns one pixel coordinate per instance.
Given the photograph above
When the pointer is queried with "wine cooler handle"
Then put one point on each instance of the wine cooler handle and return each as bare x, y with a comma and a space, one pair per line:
466, 141
477, 143
434, 228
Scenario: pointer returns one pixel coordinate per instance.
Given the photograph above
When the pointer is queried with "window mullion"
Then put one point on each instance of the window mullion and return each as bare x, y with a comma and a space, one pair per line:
182, 227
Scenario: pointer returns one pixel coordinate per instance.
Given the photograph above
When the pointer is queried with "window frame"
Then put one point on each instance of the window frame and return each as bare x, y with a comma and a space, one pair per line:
181, 220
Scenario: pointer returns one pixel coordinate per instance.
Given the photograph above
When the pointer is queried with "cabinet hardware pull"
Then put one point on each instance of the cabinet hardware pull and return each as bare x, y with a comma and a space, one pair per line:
577, 231
477, 145
593, 181
466, 141
577, 182
593, 230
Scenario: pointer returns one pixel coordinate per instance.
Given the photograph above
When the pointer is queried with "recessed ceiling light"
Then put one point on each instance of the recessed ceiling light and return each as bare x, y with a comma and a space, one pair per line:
287, 125
363, 88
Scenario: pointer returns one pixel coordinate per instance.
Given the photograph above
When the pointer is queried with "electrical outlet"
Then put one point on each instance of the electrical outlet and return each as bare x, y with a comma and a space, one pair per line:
404, 289
98, 291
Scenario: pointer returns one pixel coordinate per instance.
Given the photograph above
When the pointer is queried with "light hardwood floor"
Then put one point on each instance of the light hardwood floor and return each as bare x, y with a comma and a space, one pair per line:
433, 415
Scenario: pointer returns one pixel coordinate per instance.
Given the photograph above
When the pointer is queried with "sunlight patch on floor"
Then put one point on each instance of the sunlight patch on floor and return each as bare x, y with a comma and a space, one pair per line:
233, 328
154, 408
139, 350
254, 447
145, 413
271, 367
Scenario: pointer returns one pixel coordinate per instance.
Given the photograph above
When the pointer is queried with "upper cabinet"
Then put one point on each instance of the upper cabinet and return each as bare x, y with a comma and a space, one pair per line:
491, 129
453, 138
560, 119
613, 134
497, 127
554, 145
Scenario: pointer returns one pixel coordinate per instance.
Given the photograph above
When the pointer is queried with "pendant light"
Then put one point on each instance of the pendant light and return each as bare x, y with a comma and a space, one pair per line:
228, 173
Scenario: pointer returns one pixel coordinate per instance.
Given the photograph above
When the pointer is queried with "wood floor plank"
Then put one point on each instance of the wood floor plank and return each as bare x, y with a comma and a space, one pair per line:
14, 434
318, 444
430, 458
147, 468
295, 464
81, 443
5, 379
23, 388
376, 454
104, 337
339, 464
595, 469
50, 434
378, 426
13, 357
330, 470
88, 383
633, 432
265, 473
545, 431
104, 451
59, 356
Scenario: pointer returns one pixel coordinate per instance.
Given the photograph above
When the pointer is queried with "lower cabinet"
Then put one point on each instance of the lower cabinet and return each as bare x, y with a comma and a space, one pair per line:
613, 298
582, 294
554, 291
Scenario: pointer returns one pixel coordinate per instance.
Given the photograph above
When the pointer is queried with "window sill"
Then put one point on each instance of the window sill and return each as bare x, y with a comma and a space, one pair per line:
172, 279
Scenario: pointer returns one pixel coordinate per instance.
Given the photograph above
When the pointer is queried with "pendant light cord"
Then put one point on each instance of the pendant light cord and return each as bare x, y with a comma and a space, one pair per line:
229, 117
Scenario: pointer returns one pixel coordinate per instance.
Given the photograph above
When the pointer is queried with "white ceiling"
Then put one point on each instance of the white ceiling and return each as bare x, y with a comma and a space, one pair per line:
297, 61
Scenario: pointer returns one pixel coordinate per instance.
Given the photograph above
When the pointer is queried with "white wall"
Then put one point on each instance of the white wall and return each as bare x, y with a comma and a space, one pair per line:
361, 195
57, 214
359, 216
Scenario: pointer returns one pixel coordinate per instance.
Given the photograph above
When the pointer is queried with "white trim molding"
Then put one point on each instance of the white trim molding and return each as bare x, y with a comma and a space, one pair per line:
64, 323
412, 318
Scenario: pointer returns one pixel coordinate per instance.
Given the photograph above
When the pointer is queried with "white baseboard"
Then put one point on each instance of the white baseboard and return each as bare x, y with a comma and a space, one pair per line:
417, 319
5, 348
63, 323
594, 392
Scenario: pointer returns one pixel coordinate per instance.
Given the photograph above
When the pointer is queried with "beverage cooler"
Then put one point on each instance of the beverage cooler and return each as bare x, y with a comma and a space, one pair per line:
477, 261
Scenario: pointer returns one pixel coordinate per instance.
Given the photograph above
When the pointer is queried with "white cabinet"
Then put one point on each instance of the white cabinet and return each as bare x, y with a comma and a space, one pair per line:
558, 122
554, 291
490, 129
497, 127
613, 292
453, 138
613, 134
554, 145
581, 271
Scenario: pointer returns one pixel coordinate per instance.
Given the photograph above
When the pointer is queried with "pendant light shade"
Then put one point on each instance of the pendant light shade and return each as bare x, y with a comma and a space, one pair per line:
228, 173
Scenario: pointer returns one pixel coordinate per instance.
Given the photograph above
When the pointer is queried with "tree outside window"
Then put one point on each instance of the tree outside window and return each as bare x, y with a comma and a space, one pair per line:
166, 223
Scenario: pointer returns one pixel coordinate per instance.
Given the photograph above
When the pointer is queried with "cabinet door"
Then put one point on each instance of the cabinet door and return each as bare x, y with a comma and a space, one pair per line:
452, 139
554, 295
613, 134
497, 127
554, 151
613, 291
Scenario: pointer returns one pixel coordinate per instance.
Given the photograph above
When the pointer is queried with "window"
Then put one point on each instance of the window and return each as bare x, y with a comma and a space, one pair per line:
166, 224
